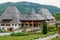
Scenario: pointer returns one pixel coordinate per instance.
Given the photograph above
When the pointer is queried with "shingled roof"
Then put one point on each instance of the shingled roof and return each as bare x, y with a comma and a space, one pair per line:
32, 16
45, 13
11, 13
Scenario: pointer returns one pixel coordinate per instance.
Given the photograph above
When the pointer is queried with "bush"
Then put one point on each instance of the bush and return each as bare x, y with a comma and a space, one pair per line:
19, 34
51, 27
2, 30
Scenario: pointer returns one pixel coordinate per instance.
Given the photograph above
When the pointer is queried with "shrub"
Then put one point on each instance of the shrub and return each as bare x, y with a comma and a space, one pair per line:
59, 30
2, 30
19, 34
51, 27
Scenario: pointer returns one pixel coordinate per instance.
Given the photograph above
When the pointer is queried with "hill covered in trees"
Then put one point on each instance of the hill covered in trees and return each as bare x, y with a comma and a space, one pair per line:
57, 16
25, 7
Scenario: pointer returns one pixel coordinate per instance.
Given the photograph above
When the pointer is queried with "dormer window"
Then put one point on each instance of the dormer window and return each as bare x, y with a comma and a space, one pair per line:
48, 20
6, 20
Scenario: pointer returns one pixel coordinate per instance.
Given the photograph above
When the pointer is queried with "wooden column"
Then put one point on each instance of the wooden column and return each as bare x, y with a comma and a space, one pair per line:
38, 25
28, 24
32, 24
24, 24
17, 25
14, 25
11, 25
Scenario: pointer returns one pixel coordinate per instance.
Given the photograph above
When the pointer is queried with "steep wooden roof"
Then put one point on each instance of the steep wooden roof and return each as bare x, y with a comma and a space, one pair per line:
32, 16
45, 13
11, 13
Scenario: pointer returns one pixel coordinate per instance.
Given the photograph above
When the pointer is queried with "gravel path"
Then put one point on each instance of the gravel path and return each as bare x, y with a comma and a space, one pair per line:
48, 37
3, 34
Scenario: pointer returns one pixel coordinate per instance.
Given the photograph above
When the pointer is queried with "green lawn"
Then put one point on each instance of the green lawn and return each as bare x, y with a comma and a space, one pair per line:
56, 38
23, 37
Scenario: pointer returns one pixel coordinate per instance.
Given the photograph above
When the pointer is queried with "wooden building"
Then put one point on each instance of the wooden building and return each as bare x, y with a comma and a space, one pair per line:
13, 18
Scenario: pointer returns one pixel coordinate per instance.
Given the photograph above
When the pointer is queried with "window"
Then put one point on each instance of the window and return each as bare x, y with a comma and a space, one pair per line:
19, 24
6, 20
30, 24
22, 25
12, 24
26, 24
7, 24
15, 24
48, 20
35, 25
2, 24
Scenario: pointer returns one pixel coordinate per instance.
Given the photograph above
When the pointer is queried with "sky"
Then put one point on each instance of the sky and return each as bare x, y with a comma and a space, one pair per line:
45, 2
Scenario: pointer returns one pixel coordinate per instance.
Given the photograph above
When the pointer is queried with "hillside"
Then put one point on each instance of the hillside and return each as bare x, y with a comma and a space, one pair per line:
25, 7
57, 16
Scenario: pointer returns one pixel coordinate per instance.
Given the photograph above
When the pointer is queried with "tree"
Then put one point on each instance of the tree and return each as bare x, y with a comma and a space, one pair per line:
59, 30
44, 29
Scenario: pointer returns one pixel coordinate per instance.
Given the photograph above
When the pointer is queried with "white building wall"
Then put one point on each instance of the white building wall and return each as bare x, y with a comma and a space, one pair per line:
6, 27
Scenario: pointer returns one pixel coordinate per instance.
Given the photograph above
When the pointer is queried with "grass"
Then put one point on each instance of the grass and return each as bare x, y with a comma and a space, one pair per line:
56, 38
21, 37
24, 37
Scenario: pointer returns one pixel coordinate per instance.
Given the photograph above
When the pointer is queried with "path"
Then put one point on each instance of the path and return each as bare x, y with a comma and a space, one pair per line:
3, 34
48, 37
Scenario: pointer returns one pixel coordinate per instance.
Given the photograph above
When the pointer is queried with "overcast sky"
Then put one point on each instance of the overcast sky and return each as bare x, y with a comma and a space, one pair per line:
46, 2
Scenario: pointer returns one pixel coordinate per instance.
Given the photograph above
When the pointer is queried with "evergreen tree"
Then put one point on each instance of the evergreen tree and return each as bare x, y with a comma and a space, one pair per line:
44, 29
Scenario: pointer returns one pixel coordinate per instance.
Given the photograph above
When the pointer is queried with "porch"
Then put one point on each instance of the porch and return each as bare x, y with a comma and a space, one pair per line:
31, 25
